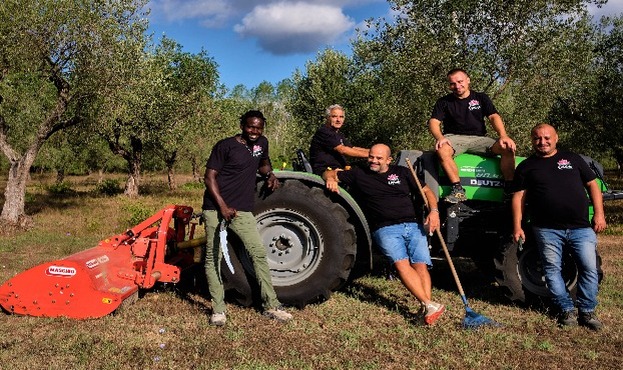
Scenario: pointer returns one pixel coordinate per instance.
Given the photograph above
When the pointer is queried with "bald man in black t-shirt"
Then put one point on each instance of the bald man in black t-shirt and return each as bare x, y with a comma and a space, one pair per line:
396, 223
554, 184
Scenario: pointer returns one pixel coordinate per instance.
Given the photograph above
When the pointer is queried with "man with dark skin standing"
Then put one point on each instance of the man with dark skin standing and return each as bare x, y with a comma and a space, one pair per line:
462, 113
395, 221
329, 147
554, 184
230, 192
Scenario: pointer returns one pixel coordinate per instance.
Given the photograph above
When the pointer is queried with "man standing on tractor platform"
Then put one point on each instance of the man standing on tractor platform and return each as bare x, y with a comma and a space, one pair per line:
554, 184
395, 221
462, 113
229, 197
329, 145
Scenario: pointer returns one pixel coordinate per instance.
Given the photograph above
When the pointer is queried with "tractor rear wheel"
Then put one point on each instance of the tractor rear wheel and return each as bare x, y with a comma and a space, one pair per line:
311, 246
520, 272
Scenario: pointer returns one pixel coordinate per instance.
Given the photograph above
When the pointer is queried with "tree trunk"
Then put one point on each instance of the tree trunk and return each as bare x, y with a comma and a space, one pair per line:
171, 178
195, 167
133, 156
618, 157
13, 211
60, 176
170, 163
134, 178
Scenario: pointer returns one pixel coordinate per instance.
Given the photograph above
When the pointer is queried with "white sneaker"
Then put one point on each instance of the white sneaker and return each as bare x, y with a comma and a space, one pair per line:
278, 314
434, 311
218, 319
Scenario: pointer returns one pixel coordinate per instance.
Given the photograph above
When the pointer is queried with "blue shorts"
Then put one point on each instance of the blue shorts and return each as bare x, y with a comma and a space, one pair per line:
402, 241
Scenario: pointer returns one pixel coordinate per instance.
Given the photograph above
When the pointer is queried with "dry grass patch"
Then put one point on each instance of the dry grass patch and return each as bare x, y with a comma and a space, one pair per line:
368, 325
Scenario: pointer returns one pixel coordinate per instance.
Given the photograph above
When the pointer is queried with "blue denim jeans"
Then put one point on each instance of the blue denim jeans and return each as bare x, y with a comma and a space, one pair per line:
402, 241
582, 243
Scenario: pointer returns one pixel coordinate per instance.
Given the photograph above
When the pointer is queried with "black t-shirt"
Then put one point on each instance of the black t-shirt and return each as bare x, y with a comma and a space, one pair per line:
386, 197
555, 190
237, 165
464, 116
322, 153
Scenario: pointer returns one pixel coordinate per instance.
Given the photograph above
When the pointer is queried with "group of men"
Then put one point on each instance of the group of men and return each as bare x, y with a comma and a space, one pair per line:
553, 182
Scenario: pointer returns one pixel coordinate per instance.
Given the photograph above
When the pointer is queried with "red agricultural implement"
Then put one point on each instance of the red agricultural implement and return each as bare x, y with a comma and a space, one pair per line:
94, 282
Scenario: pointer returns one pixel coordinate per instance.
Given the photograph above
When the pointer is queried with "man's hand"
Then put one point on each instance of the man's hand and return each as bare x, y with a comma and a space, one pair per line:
441, 143
432, 221
599, 223
330, 178
228, 213
273, 182
507, 143
519, 234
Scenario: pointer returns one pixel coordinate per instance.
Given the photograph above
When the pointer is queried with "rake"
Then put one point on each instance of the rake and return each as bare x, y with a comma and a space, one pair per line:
472, 320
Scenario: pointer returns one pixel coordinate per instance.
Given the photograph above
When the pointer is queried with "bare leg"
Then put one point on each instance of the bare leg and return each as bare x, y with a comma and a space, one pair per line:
446, 160
507, 162
422, 270
411, 278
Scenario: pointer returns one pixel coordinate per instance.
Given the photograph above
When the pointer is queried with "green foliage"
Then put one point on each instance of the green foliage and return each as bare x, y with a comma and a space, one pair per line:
59, 59
60, 188
108, 187
164, 107
591, 118
517, 52
193, 185
135, 213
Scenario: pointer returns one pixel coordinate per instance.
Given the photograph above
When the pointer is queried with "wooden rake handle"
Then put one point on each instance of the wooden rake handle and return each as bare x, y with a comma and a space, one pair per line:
438, 232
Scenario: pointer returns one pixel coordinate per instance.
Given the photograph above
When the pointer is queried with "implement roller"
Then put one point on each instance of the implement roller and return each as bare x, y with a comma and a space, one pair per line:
95, 282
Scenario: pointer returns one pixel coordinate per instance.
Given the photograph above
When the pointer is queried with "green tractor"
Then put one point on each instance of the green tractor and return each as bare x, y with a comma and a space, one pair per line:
316, 239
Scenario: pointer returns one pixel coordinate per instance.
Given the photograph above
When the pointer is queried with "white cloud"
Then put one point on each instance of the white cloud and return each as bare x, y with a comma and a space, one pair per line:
206, 10
289, 28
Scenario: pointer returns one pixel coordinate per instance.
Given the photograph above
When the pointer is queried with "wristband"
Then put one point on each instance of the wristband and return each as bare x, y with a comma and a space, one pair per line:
434, 210
267, 175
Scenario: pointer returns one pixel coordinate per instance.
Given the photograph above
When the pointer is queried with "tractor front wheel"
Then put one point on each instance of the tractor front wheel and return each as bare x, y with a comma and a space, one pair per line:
311, 247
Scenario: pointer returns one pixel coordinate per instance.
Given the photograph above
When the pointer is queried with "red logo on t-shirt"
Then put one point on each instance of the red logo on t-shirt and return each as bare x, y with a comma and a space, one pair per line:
257, 150
473, 104
393, 179
564, 164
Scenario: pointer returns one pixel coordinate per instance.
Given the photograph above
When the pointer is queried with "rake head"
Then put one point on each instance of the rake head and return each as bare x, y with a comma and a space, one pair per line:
474, 320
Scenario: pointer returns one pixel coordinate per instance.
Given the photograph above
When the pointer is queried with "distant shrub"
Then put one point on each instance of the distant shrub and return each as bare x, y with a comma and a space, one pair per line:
136, 213
193, 185
108, 187
60, 188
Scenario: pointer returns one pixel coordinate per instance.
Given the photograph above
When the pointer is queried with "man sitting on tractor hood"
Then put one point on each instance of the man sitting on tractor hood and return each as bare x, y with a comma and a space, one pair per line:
463, 115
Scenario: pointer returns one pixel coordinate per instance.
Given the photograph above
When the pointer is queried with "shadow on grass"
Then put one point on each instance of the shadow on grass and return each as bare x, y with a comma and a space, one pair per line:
475, 283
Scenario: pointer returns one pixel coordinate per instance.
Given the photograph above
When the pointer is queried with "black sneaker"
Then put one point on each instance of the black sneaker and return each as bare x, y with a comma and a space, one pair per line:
568, 318
457, 195
590, 320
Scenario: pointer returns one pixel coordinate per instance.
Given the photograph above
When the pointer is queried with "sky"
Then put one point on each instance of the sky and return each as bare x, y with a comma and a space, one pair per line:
254, 41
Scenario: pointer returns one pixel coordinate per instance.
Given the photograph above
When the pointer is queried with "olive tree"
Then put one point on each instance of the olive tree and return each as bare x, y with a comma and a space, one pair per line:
164, 103
518, 52
591, 118
57, 58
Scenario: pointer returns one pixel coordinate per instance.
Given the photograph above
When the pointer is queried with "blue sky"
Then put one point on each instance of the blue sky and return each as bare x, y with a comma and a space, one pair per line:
254, 41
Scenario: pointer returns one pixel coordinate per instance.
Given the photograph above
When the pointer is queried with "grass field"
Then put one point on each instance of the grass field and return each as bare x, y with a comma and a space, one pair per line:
368, 325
